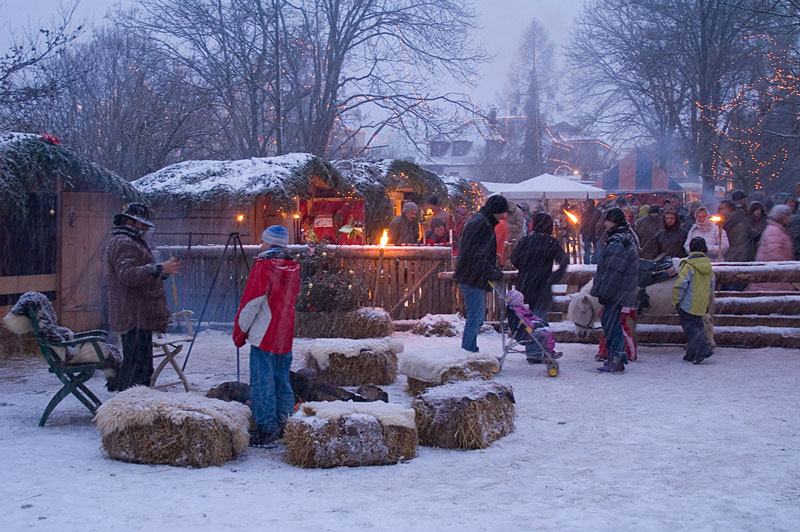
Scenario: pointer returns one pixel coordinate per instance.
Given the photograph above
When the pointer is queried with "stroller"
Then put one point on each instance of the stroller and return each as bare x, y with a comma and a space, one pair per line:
518, 336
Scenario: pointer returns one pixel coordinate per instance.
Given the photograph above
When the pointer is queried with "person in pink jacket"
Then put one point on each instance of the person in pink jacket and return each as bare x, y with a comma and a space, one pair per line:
266, 319
708, 230
776, 245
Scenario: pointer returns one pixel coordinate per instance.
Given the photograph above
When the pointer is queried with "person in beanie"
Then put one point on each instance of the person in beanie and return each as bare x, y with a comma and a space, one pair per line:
137, 303
266, 319
476, 266
615, 285
691, 297
534, 257
404, 229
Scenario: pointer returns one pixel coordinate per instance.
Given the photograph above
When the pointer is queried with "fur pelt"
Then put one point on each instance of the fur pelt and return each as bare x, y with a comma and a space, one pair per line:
18, 322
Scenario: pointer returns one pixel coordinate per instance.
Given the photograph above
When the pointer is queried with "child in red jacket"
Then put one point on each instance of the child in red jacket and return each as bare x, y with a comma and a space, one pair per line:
266, 319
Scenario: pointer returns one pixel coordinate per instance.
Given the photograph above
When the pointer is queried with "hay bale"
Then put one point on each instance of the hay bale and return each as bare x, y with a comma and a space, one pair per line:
464, 415
349, 434
434, 367
345, 362
147, 426
365, 322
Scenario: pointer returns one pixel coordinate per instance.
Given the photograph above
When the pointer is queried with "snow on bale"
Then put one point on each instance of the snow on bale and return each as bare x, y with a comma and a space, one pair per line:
443, 325
434, 367
347, 362
146, 426
333, 434
365, 322
464, 415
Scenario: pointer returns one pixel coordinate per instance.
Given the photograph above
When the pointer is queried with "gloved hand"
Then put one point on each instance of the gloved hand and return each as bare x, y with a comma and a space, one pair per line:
603, 300
239, 339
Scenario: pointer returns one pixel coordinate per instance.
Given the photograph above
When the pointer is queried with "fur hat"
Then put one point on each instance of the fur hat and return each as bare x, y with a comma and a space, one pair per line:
410, 206
698, 243
615, 214
655, 209
514, 298
135, 211
276, 235
738, 195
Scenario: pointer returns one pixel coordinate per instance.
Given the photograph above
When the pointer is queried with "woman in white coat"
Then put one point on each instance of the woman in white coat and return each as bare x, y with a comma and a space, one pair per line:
704, 227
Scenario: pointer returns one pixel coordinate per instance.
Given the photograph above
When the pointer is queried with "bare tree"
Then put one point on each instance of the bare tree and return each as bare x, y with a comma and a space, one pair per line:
288, 73
23, 66
131, 109
663, 70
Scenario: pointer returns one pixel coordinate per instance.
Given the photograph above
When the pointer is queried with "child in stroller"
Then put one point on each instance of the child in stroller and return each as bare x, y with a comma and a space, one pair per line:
531, 332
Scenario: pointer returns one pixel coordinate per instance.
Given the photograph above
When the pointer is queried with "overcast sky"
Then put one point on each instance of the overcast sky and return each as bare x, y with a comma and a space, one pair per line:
503, 23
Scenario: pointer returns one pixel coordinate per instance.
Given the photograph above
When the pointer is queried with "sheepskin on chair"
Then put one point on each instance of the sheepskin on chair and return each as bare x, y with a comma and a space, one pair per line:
338, 433
18, 322
147, 426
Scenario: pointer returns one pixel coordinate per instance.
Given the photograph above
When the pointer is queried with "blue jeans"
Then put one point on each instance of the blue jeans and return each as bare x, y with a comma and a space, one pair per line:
590, 251
271, 396
475, 312
612, 329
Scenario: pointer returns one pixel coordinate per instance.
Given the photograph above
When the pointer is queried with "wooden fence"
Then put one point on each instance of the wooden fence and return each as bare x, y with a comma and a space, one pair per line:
403, 280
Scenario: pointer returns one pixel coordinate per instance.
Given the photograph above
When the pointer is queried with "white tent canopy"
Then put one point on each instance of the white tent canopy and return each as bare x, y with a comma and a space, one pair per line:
545, 186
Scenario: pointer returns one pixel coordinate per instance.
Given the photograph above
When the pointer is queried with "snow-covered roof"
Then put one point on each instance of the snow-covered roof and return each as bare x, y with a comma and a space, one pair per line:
547, 185
195, 182
32, 163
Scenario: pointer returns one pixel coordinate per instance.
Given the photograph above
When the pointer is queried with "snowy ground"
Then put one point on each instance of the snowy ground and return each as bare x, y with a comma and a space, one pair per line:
667, 446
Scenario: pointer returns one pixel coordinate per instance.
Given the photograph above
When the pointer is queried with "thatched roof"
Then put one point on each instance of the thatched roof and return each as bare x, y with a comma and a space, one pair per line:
371, 178
33, 164
194, 183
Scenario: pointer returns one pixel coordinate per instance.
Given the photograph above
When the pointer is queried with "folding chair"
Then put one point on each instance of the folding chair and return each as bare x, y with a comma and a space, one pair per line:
72, 376
170, 345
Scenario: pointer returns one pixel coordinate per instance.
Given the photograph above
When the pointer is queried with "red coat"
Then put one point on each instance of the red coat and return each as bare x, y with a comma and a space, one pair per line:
274, 280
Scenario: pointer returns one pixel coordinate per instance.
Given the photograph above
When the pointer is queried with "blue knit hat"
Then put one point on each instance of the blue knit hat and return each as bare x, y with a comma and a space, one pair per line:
276, 235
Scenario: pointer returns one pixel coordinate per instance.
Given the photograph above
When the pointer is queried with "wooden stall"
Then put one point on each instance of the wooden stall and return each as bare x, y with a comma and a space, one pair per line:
212, 199
55, 214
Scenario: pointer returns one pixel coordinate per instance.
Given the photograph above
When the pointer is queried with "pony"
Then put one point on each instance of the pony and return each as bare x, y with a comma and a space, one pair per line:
584, 309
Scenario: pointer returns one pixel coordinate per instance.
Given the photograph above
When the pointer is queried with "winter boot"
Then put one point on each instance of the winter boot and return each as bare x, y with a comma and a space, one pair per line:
614, 364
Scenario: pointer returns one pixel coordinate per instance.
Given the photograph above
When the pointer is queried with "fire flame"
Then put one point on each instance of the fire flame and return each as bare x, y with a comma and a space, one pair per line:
296, 216
240, 218
384, 238
572, 217
716, 218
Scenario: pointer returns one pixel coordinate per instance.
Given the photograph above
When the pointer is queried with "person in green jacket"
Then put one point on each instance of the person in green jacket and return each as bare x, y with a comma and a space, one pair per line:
691, 297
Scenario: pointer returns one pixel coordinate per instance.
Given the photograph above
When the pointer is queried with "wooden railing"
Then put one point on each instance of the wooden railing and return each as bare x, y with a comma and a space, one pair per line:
408, 285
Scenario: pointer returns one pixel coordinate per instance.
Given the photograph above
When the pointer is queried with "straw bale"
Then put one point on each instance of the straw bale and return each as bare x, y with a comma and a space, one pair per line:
344, 362
361, 323
350, 434
148, 426
464, 415
471, 371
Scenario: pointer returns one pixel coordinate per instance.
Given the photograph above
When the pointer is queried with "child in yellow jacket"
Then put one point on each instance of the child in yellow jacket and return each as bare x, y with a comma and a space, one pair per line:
691, 297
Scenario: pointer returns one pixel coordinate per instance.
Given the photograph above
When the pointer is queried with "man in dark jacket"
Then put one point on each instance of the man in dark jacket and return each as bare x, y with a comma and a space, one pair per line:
741, 234
404, 229
646, 229
534, 257
476, 266
137, 304
672, 237
591, 217
615, 285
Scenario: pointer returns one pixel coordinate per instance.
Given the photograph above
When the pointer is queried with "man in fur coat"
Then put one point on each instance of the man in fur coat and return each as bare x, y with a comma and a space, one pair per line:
266, 320
137, 303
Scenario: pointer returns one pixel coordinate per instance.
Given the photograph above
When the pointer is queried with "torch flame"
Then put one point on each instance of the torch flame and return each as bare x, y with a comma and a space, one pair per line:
572, 217
240, 218
296, 216
384, 238
716, 218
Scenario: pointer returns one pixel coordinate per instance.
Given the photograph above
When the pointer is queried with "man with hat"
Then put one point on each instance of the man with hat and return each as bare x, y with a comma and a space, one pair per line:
615, 285
137, 303
266, 319
404, 229
647, 228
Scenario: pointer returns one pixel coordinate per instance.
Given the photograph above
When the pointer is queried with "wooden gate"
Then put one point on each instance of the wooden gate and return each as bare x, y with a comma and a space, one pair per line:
86, 219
